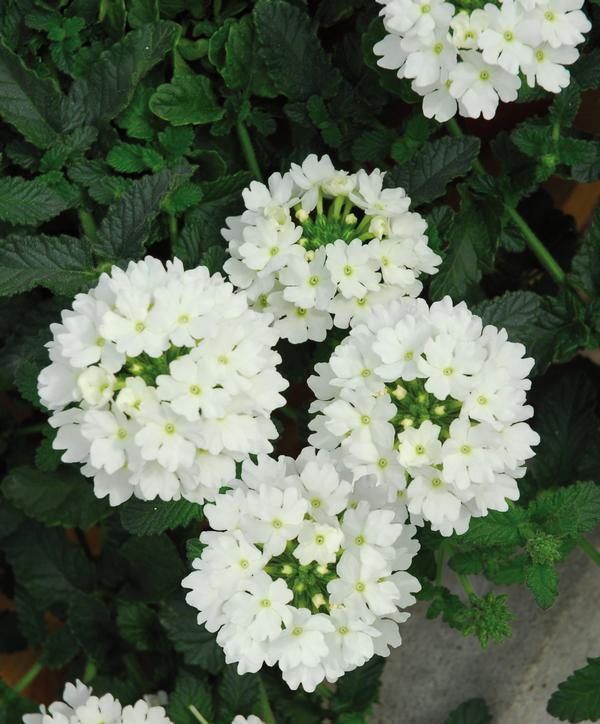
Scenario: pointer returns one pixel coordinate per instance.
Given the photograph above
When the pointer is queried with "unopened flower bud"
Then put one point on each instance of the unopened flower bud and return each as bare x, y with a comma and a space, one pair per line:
378, 226
301, 215
400, 392
309, 255
407, 422
350, 219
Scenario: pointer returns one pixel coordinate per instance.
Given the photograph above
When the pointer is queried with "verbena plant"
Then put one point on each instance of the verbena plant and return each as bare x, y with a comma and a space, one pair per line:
133, 126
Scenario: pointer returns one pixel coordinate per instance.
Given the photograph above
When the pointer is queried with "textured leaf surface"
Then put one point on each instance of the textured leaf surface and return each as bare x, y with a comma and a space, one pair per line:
474, 711
578, 698
297, 64
28, 202
426, 176
542, 580
29, 103
148, 518
63, 264
125, 228
63, 498
107, 89
187, 99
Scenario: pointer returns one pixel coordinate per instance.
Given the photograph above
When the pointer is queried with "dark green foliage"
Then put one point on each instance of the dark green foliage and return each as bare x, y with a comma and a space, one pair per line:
122, 132
578, 698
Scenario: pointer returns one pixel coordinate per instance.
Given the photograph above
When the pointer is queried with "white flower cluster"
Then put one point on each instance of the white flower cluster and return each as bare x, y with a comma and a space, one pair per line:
80, 706
302, 571
466, 60
432, 404
351, 243
161, 379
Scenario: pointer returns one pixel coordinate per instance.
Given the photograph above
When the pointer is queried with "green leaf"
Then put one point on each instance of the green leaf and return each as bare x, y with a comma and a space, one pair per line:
586, 263
358, 690
47, 565
142, 12
108, 87
373, 144
578, 698
569, 511
63, 498
187, 99
496, 529
27, 102
244, 68
471, 250
157, 581
185, 196
59, 648
426, 176
528, 318
567, 425
27, 203
63, 264
197, 646
176, 142
565, 105
586, 70
190, 689
138, 624
237, 694
126, 226
90, 623
139, 517
542, 580
297, 64
127, 158
474, 711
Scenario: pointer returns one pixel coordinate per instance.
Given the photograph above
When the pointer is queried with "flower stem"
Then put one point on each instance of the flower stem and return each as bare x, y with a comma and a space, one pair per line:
248, 149
173, 230
90, 672
196, 714
589, 550
266, 711
324, 691
88, 224
534, 243
25, 680
439, 569
466, 584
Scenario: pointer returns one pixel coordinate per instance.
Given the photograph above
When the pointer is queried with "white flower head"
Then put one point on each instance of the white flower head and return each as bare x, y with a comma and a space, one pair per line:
468, 61
307, 573
161, 379
302, 251
438, 423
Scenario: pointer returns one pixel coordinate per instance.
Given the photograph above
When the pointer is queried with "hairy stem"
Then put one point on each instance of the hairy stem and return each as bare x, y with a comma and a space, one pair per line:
248, 149
324, 691
25, 680
535, 244
589, 550
265, 706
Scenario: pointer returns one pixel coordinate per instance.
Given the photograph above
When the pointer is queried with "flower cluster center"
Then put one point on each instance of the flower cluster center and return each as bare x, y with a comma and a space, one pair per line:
414, 405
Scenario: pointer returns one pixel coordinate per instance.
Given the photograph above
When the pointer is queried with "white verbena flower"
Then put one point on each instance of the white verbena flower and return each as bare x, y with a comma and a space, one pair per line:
161, 379
310, 599
495, 43
439, 419
80, 706
303, 250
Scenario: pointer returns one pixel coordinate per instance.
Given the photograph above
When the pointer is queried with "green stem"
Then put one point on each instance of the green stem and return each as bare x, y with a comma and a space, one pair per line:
83, 542
534, 243
439, 570
265, 706
248, 149
196, 714
590, 550
90, 672
173, 230
324, 691
88, 224
25, 680
466, 584
217, 10
537, 247
31, 429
